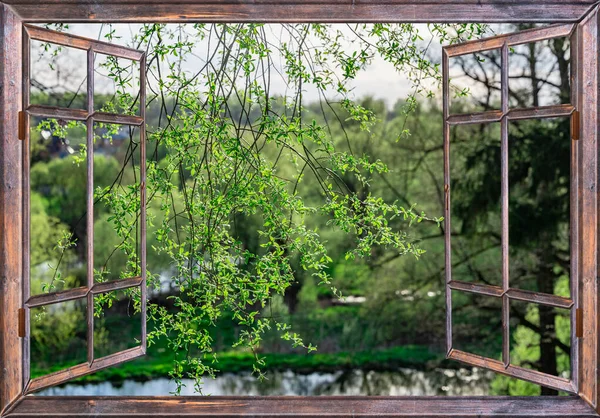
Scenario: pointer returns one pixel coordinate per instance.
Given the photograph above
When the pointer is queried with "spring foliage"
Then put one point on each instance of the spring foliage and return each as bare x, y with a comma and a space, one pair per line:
226, 148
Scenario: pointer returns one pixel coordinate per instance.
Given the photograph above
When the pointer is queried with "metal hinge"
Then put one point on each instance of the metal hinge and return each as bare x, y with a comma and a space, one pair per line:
579, 322
575, 125
22, 323
22, 125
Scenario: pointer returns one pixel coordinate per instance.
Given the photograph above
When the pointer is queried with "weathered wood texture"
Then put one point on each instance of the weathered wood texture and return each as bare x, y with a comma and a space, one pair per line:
93, 364
506, 293
80, 42
123, 11
10, 208
65, 375
509, 39
589, 108
340, 406
302, 10
505, 368
575, 206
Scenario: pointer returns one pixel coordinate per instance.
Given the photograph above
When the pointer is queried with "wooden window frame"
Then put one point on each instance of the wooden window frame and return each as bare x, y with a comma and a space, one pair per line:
90, 116
506, 293
585, 175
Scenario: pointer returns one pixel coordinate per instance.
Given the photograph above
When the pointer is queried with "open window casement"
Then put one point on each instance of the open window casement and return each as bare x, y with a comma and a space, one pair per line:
96, 120
506, 293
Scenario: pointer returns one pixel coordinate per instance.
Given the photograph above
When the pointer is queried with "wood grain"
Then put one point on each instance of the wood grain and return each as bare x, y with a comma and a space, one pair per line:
575, 212
289, 406
323, 11
84, 369
510, 39
589, 108
522, 373
26, 208
292, 11
11, 240
82, 115
80, 42
82, 292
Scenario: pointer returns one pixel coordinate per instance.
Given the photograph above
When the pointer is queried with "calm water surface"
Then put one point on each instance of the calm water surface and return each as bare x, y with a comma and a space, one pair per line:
401, 382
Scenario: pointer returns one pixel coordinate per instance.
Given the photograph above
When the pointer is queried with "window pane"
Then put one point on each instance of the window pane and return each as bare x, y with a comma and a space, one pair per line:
116, 84
58, 337
117, 321
477, 324
116, 202
58, 178
475, 81
541, 338
539, 161
475, 203
539, 73
58, 75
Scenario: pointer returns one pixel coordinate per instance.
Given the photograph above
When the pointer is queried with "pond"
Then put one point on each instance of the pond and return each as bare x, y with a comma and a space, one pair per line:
400, 382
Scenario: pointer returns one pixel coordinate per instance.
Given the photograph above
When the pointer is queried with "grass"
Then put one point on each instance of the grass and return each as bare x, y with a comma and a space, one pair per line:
159, 362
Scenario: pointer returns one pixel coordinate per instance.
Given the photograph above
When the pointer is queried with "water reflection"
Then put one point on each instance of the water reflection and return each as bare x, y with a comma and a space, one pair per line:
401, 382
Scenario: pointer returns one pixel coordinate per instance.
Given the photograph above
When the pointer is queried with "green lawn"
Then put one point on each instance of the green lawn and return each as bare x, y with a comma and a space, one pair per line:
159, 362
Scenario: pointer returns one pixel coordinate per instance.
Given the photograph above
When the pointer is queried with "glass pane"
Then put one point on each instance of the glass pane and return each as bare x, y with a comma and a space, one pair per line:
117, 321
58, 337
540, 73
539, 164
116, 84
477, 324
58, 205
541, 338
116, 202
475, 81
475, 203
58, 75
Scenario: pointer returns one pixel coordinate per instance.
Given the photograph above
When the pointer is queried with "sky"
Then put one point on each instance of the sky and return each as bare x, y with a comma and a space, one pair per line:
380, 80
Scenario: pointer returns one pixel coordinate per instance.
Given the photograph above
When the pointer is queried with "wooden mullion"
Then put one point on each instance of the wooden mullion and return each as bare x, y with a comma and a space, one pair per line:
504, 202
90, 205
114, 285
143, 288
57, 112
83, 115
84, 369
118, 119
540, 298
522, 373
512, 293
510, 39
56, 297
477, 288
475, 118
447, 186
79, 42
555, 111
81, 292
491, 116
575, 210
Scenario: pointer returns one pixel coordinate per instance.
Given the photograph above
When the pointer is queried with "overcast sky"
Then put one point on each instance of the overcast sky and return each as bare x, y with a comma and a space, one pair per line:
380, 80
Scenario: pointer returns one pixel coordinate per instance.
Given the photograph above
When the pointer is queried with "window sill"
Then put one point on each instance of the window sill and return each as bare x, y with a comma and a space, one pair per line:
335, 406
